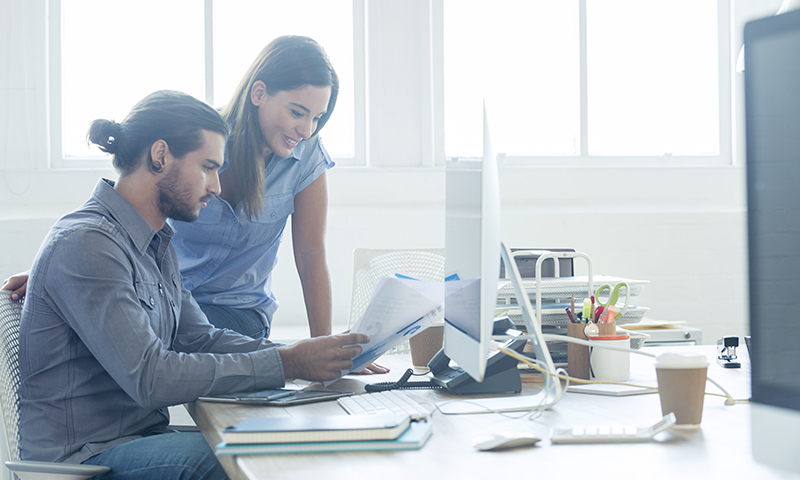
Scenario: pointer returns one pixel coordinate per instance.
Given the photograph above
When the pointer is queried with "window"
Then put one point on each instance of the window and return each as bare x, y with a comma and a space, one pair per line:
108, 65
567, 82
522, 58
588, 79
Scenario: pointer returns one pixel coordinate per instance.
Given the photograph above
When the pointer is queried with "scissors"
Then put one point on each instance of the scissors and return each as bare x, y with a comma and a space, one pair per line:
613, 297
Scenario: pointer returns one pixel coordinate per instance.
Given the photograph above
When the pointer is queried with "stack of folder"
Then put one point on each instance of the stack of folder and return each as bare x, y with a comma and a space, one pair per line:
338, 433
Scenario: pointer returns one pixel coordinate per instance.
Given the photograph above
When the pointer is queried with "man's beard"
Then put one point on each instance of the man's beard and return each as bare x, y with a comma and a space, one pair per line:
174, 200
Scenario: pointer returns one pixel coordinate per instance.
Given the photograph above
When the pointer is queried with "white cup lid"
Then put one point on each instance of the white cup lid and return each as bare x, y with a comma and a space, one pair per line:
678, 360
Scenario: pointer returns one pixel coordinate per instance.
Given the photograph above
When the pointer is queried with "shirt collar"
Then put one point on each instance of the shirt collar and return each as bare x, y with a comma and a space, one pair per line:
140, 232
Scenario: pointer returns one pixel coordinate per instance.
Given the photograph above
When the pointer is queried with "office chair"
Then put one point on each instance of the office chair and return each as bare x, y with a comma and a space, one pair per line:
369, 265
10, 313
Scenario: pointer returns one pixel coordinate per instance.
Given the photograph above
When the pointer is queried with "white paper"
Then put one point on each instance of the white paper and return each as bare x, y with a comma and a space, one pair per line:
399, 308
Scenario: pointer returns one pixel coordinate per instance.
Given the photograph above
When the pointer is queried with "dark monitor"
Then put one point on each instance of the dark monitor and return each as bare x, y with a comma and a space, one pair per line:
772, 110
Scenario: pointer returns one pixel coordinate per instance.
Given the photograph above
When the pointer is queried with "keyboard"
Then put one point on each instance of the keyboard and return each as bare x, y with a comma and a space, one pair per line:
389, 401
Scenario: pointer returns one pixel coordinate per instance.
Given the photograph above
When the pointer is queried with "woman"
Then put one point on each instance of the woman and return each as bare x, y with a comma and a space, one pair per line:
275, 167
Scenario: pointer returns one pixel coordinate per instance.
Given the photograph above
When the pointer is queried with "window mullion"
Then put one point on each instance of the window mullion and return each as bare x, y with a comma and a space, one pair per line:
725, 79
208, 36
583, 83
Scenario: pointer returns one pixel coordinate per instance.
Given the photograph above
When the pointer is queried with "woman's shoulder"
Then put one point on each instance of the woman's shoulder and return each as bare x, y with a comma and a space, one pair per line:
310, 147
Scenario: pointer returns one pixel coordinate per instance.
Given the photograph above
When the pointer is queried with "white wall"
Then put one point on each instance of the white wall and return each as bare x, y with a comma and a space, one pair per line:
683, 229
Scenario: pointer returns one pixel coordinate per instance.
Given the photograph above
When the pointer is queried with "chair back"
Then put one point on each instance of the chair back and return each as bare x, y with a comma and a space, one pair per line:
10, 314
369, 265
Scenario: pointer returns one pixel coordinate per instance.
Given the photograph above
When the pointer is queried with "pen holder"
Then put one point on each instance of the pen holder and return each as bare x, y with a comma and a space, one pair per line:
577, 355
607, 328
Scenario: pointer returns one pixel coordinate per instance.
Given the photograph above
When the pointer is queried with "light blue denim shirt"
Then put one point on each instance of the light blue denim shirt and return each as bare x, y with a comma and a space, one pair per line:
227, 259
109, 338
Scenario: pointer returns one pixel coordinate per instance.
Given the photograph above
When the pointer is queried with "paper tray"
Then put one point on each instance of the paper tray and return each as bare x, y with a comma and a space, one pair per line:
556, 315
560, 348
566, 287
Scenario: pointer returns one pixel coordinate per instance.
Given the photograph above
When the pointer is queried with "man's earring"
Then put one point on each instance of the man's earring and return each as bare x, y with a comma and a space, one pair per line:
156, 167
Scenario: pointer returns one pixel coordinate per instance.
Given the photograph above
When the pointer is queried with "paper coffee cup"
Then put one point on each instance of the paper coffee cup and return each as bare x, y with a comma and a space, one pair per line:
682, 386
425, 344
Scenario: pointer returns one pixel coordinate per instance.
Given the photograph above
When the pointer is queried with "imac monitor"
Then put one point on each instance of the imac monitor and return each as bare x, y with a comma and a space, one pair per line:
473, 253
472, 258
772, 111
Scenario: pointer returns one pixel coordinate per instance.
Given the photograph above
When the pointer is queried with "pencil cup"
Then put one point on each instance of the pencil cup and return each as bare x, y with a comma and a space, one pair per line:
606, 365
425, 344
681, 387
577, 355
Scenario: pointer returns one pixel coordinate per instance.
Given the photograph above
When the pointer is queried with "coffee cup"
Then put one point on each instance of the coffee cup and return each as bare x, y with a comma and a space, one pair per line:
681, 387
425, 344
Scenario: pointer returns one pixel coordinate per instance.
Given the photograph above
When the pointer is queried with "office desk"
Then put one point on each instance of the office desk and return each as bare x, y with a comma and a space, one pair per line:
721, 446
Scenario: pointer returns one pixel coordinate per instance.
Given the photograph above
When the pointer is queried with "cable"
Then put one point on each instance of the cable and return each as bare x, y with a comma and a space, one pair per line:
564, 376
402, 384
729, 400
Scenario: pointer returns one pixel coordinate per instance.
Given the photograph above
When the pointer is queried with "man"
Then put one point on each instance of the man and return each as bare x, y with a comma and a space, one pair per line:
109, 337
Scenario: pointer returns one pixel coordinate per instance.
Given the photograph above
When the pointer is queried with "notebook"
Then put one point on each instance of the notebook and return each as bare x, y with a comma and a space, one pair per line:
413, 438
333, 428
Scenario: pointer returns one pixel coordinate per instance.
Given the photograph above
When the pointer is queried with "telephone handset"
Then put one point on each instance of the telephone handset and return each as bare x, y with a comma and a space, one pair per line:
502, 375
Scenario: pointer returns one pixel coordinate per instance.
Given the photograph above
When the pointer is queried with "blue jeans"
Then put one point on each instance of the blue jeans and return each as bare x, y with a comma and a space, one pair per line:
168, 456
245, 321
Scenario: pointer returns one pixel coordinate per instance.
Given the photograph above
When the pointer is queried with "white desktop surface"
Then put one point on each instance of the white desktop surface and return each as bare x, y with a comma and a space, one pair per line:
719, 449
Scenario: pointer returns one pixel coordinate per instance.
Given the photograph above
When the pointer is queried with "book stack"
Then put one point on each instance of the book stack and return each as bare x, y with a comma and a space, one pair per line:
337, 433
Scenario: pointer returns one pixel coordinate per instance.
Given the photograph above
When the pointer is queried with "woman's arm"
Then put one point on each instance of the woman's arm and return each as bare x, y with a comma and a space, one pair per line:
308, 241
308, 237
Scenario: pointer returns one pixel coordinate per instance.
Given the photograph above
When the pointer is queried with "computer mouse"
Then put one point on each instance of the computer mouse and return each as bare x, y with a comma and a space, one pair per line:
505, 440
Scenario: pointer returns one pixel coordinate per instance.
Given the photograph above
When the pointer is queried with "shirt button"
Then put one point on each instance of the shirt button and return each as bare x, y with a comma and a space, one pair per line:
273, 215
152, 302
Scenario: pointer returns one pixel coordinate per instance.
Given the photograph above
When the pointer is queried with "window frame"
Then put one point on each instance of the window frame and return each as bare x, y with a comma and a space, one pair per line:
56, 120
370, 121
584, 159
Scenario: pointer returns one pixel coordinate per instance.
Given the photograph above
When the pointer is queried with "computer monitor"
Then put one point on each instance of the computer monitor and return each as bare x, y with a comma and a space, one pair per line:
772, 111
472, 257
473, 252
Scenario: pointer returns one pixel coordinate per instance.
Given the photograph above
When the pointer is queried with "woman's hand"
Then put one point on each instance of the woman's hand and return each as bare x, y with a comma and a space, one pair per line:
372, 369
18, 284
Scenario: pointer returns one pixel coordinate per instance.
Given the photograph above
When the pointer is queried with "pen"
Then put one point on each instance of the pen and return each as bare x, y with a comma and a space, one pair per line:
569, 314
572, 306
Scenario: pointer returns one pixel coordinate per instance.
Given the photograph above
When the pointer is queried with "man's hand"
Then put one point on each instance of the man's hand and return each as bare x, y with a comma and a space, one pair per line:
321, 358
18, 283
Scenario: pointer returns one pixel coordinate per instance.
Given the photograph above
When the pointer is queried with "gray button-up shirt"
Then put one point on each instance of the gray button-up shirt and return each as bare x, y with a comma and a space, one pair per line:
110, 338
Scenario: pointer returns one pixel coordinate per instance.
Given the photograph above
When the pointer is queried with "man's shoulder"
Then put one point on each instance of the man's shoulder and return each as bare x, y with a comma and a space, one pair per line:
84, 229
87, 221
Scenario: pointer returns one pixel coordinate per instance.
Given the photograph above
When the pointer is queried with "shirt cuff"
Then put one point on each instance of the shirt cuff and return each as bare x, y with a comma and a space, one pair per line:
268, 369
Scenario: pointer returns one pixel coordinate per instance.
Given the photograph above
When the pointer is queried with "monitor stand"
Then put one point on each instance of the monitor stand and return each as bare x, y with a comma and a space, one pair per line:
502, 374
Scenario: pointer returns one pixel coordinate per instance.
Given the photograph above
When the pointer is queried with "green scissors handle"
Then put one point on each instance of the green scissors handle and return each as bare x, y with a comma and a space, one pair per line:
613, 297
